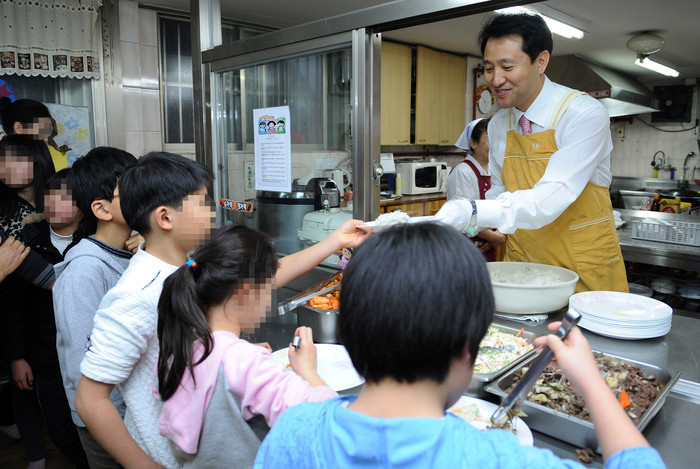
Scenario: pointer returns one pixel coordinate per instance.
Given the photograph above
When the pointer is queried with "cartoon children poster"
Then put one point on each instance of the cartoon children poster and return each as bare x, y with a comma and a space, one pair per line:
273, 151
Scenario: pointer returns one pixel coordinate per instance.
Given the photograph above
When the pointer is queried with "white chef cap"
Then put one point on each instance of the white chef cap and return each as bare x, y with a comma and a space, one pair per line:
463, 140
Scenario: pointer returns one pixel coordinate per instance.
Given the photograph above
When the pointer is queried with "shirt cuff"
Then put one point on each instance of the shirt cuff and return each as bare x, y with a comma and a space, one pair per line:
488, 213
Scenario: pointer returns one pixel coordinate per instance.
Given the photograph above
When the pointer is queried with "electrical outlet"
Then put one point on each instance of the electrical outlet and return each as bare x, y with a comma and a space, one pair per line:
620, 132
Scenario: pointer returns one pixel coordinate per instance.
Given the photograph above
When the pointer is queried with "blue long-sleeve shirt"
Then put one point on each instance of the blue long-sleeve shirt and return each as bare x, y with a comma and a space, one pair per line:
328, 435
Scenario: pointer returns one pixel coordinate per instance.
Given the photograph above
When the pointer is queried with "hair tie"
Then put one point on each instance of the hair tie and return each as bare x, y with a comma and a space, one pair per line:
192, 264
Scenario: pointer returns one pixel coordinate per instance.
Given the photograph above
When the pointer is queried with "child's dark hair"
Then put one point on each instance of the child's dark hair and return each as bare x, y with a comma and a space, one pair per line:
43, 166
413, 297
94, 176
530, 27
234, 256
156, 179
479, 129
24, 111
59, 181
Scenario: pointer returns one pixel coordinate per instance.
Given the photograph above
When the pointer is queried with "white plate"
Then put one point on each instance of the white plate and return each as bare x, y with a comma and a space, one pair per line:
478, 414
619, 306
376, 227
625, 333
333, 365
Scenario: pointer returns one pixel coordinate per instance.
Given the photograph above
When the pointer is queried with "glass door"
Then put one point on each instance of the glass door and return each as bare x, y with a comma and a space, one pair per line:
316, 85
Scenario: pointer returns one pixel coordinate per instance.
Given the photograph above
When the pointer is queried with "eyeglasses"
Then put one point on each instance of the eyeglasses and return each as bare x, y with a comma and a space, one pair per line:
115, 196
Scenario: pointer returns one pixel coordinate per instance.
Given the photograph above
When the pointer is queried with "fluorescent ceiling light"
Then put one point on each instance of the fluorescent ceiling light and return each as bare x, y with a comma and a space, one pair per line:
656, 67
557, 27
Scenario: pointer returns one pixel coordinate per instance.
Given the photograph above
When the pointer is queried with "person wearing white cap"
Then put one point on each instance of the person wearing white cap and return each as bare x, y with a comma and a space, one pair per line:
470, 179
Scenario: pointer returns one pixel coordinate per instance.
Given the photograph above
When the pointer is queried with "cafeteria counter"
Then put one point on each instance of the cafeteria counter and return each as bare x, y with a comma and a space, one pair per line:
673, 432
662, 254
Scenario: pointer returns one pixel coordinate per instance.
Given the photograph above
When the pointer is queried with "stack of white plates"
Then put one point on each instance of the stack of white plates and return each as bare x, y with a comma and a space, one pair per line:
622, 315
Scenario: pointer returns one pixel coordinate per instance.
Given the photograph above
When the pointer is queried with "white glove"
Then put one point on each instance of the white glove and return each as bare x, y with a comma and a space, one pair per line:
456, 212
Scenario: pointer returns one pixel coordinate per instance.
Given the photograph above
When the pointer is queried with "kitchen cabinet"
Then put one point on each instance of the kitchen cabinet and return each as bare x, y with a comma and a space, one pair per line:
441, 81
396, 94
415, 205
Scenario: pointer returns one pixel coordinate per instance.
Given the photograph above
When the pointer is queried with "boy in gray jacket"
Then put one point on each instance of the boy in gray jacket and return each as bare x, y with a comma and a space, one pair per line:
91, 267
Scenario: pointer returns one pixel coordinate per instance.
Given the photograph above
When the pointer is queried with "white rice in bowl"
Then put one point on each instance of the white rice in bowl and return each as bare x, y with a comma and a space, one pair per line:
527, 276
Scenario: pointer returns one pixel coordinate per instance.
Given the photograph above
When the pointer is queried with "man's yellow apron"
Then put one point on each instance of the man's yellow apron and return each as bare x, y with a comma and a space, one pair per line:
583, 238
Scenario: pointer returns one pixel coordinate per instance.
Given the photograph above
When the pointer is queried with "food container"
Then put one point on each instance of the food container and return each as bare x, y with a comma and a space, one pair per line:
578, 432
323, 322
515, 298
476, 386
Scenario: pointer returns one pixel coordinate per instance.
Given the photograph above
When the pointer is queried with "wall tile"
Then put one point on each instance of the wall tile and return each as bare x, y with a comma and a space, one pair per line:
149, 67
131, 64
133, 119
148, 27
134, 143
152, 141
129, 21
150, 110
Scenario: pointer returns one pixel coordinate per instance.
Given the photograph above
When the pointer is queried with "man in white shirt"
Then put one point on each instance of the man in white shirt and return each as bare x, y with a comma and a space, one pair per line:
550, 155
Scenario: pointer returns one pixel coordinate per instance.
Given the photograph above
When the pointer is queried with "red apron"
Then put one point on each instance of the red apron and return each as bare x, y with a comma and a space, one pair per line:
484, 185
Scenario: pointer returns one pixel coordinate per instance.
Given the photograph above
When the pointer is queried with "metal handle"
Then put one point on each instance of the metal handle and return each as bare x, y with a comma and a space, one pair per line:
518, 395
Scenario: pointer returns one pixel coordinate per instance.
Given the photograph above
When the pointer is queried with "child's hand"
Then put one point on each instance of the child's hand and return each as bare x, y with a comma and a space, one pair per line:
133, 243
348, 235
303, 359
12, 253
574, 357
22, 374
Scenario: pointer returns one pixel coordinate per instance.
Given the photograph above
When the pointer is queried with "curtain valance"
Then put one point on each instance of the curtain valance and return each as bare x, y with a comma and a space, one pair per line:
50, 38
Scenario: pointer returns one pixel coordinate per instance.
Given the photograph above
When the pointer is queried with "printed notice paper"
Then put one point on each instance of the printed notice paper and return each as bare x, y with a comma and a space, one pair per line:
273, 149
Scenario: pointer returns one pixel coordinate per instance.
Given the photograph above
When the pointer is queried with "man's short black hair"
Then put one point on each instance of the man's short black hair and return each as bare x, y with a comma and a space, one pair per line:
94, 176
413, 297
530, 27
158, 178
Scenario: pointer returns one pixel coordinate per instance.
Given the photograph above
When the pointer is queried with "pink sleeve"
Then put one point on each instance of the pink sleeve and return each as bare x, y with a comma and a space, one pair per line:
263, 384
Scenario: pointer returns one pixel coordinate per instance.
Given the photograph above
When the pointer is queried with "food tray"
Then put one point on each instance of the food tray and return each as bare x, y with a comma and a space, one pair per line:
476, 386
668, 231
581, 433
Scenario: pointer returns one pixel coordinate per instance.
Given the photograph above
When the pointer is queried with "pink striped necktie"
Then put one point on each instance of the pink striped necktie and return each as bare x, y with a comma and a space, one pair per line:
526, 125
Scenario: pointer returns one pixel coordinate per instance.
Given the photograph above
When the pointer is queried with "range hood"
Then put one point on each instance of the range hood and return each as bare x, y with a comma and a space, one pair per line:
621, 95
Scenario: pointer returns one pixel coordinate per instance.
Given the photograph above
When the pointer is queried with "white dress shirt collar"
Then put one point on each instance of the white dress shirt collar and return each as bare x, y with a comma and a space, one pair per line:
540, 109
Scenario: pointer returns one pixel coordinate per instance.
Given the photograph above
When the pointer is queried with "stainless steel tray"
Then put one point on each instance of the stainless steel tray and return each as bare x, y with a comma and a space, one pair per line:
581, 433
479, 380
284, 305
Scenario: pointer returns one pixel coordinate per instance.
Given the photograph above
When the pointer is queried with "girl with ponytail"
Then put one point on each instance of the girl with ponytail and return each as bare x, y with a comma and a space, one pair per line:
221, 393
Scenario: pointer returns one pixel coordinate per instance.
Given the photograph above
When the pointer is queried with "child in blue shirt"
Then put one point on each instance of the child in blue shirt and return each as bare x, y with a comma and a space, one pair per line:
412, 319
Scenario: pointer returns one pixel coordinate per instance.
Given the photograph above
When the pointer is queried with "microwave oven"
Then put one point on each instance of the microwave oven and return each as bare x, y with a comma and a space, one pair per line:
422, 177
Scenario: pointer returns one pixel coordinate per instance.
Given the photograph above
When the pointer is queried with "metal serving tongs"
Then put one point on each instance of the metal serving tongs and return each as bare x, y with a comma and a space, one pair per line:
288, 305
512, 402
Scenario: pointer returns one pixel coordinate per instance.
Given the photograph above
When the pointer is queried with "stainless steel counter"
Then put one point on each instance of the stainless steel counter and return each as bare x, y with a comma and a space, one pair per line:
673, 432
657, 253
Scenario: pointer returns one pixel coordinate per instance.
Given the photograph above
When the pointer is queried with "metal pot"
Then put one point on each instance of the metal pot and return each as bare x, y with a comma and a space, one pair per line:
281, 214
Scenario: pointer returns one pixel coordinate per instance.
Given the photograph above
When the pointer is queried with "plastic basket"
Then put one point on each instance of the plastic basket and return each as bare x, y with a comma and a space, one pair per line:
675, 232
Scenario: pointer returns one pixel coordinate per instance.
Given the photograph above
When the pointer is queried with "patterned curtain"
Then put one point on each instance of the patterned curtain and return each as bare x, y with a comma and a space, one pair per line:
50, 38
